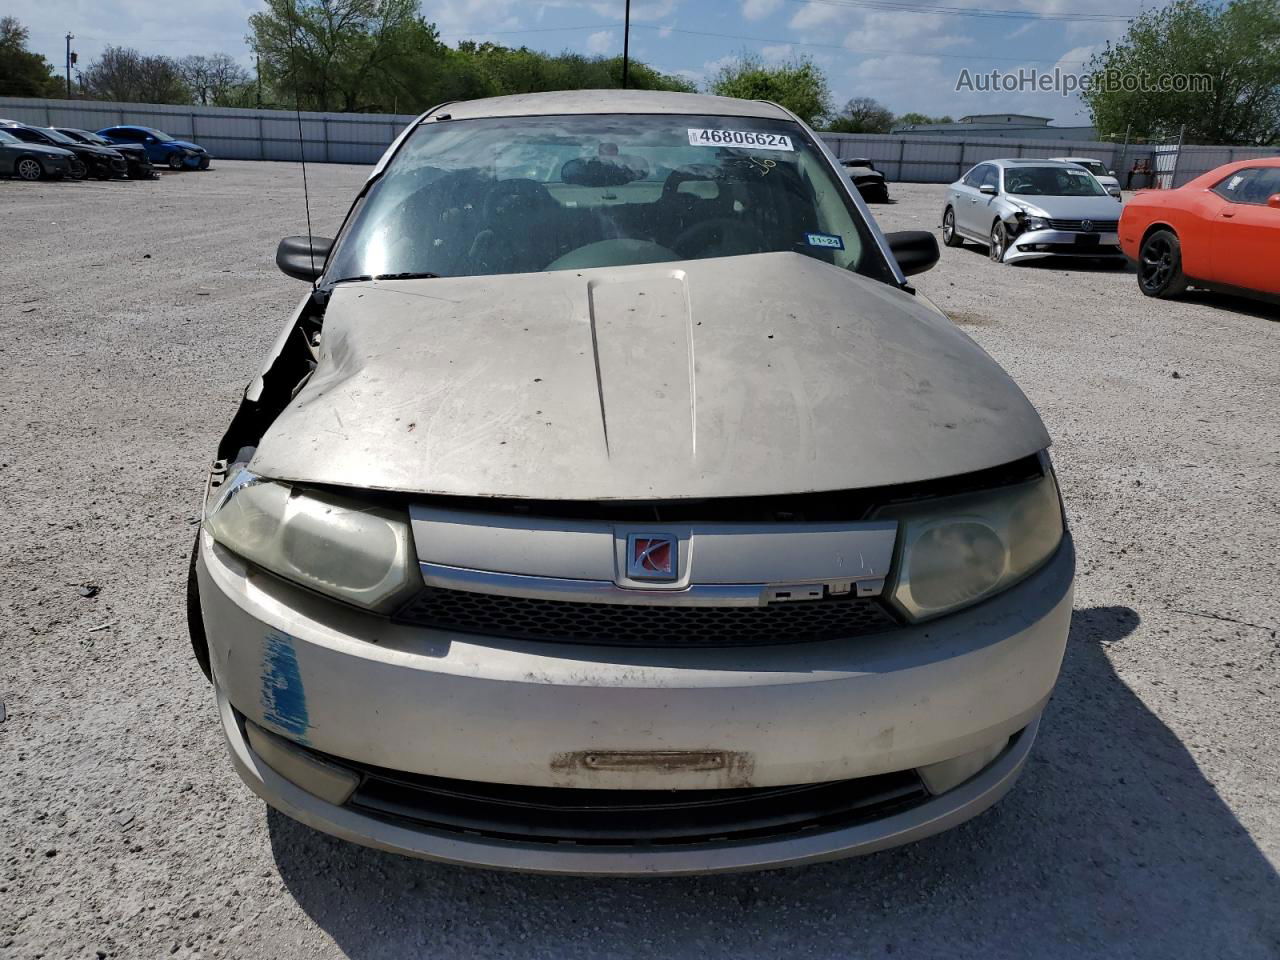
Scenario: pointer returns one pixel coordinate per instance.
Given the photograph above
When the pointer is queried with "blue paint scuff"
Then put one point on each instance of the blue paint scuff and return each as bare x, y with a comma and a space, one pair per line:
284, 703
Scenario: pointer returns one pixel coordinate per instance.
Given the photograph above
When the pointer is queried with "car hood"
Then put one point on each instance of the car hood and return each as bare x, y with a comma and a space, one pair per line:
863, 172
96, 150
185, 144
737, 376
1070, 208
47, 151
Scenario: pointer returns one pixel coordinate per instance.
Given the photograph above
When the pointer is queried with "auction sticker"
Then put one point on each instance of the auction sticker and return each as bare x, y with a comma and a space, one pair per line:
830, 240
740, 138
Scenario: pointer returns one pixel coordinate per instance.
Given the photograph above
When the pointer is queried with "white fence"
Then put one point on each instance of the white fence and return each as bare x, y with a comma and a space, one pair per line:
248, 134
227, 132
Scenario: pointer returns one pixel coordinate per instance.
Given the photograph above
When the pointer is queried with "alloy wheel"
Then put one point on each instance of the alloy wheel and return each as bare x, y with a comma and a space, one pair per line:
998, 241
1156, 262
29, 169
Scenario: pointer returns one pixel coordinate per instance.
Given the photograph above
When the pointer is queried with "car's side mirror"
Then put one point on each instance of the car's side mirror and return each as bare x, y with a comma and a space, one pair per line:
1273, 201
915, 250
989, 189
303, 257
1111, 173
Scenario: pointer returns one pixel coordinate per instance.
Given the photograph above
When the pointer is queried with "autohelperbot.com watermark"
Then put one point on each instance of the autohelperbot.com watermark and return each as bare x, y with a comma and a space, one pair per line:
1066, 83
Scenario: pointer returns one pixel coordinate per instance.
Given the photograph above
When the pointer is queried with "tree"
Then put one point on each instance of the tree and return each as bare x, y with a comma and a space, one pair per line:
1234, 47
912, 119
215, 80
125, 74
862, 115
343, 54
799, 85
23, 73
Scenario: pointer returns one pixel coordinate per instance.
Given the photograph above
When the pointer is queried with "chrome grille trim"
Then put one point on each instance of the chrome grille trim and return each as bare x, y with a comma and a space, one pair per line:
1077, 226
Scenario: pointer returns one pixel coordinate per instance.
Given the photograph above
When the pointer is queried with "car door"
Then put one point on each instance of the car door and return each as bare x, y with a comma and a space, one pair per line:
1245, 234
967, 198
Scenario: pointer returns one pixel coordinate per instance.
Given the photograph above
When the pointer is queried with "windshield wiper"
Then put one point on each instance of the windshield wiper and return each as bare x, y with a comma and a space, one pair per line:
407, 276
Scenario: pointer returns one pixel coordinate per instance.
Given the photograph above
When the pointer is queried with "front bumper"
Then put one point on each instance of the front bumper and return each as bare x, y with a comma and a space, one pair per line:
1061, 243
429, 702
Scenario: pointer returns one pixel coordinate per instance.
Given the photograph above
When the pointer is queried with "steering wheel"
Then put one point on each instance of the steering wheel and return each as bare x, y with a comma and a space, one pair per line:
506, 196
735, 235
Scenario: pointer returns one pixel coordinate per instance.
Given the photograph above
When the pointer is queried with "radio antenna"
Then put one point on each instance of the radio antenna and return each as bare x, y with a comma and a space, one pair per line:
302, 150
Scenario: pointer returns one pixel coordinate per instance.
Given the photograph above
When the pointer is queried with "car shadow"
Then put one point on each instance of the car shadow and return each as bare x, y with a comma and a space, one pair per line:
1233, 302
1113, 844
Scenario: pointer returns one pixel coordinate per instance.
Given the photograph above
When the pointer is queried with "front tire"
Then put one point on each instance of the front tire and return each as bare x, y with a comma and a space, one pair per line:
195, 619
28, 168
950, 237
1160, 265
176, 161
999, 242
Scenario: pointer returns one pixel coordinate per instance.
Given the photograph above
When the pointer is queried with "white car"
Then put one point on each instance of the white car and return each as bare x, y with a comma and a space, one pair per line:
1099, 169
613, 504
1032, 209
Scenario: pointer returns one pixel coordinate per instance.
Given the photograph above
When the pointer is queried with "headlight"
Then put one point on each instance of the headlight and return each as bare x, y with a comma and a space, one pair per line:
954, 551
1036, 223
333, 544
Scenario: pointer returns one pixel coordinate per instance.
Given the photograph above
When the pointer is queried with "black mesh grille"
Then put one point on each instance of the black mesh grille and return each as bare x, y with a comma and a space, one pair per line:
647, 626
1099, 226
565, 815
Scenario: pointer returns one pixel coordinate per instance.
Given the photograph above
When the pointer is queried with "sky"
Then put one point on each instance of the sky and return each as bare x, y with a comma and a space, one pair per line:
908, 54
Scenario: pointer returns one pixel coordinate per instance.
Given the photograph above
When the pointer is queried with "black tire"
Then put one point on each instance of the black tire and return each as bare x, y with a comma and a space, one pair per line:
999, 242
195, 620
28, 168
950, 237
1160, 265
78, 171
204, 163
176, 161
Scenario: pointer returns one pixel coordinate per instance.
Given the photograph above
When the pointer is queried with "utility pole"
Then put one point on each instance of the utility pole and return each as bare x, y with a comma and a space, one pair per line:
70, 37
626, 43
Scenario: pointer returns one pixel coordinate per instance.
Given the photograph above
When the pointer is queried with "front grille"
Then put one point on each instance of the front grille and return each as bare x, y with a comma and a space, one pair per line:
565, 815
1077, 226
633, 625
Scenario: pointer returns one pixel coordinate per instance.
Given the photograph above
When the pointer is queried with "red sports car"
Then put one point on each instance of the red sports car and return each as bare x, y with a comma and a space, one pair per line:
1221, 231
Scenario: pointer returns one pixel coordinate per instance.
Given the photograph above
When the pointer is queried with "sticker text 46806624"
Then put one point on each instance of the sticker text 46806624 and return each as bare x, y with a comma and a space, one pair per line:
739, 138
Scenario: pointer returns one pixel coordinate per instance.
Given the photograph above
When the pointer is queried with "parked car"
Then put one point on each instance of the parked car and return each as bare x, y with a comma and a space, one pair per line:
79, 165
1029, 209
600, 521
96, 161
32, 161
135, 154
163, 149
869, 181
1099, 169
1220, 231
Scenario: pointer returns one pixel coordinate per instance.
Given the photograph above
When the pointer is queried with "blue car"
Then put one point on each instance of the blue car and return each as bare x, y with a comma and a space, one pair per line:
161, 148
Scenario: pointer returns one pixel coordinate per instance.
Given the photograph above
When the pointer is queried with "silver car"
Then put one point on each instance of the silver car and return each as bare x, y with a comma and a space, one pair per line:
1030, 209
612, 504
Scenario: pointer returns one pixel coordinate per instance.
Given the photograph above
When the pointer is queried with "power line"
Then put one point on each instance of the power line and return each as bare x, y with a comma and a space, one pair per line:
858, 51
981, 12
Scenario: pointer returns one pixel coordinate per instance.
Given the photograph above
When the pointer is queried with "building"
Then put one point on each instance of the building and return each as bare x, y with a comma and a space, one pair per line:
1021, 125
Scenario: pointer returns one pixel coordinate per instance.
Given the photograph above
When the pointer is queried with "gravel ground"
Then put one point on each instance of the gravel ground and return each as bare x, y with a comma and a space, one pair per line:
1147, 823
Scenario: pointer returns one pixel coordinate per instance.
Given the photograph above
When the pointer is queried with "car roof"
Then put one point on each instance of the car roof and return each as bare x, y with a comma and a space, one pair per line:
1075, 159
610, 101
1012, 162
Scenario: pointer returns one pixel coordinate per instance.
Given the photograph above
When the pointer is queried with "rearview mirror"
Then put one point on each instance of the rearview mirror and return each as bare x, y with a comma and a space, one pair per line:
303, 257
989, 189
1273, 201
915, 250
606, 171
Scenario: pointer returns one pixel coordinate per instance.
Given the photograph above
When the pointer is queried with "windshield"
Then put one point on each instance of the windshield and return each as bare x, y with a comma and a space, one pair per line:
58, 136
528, 194
87, 137
158, 134
1094, 167
1051, 182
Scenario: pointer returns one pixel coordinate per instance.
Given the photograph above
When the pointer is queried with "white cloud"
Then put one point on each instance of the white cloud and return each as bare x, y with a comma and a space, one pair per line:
776, 52
600, 42
759, 9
